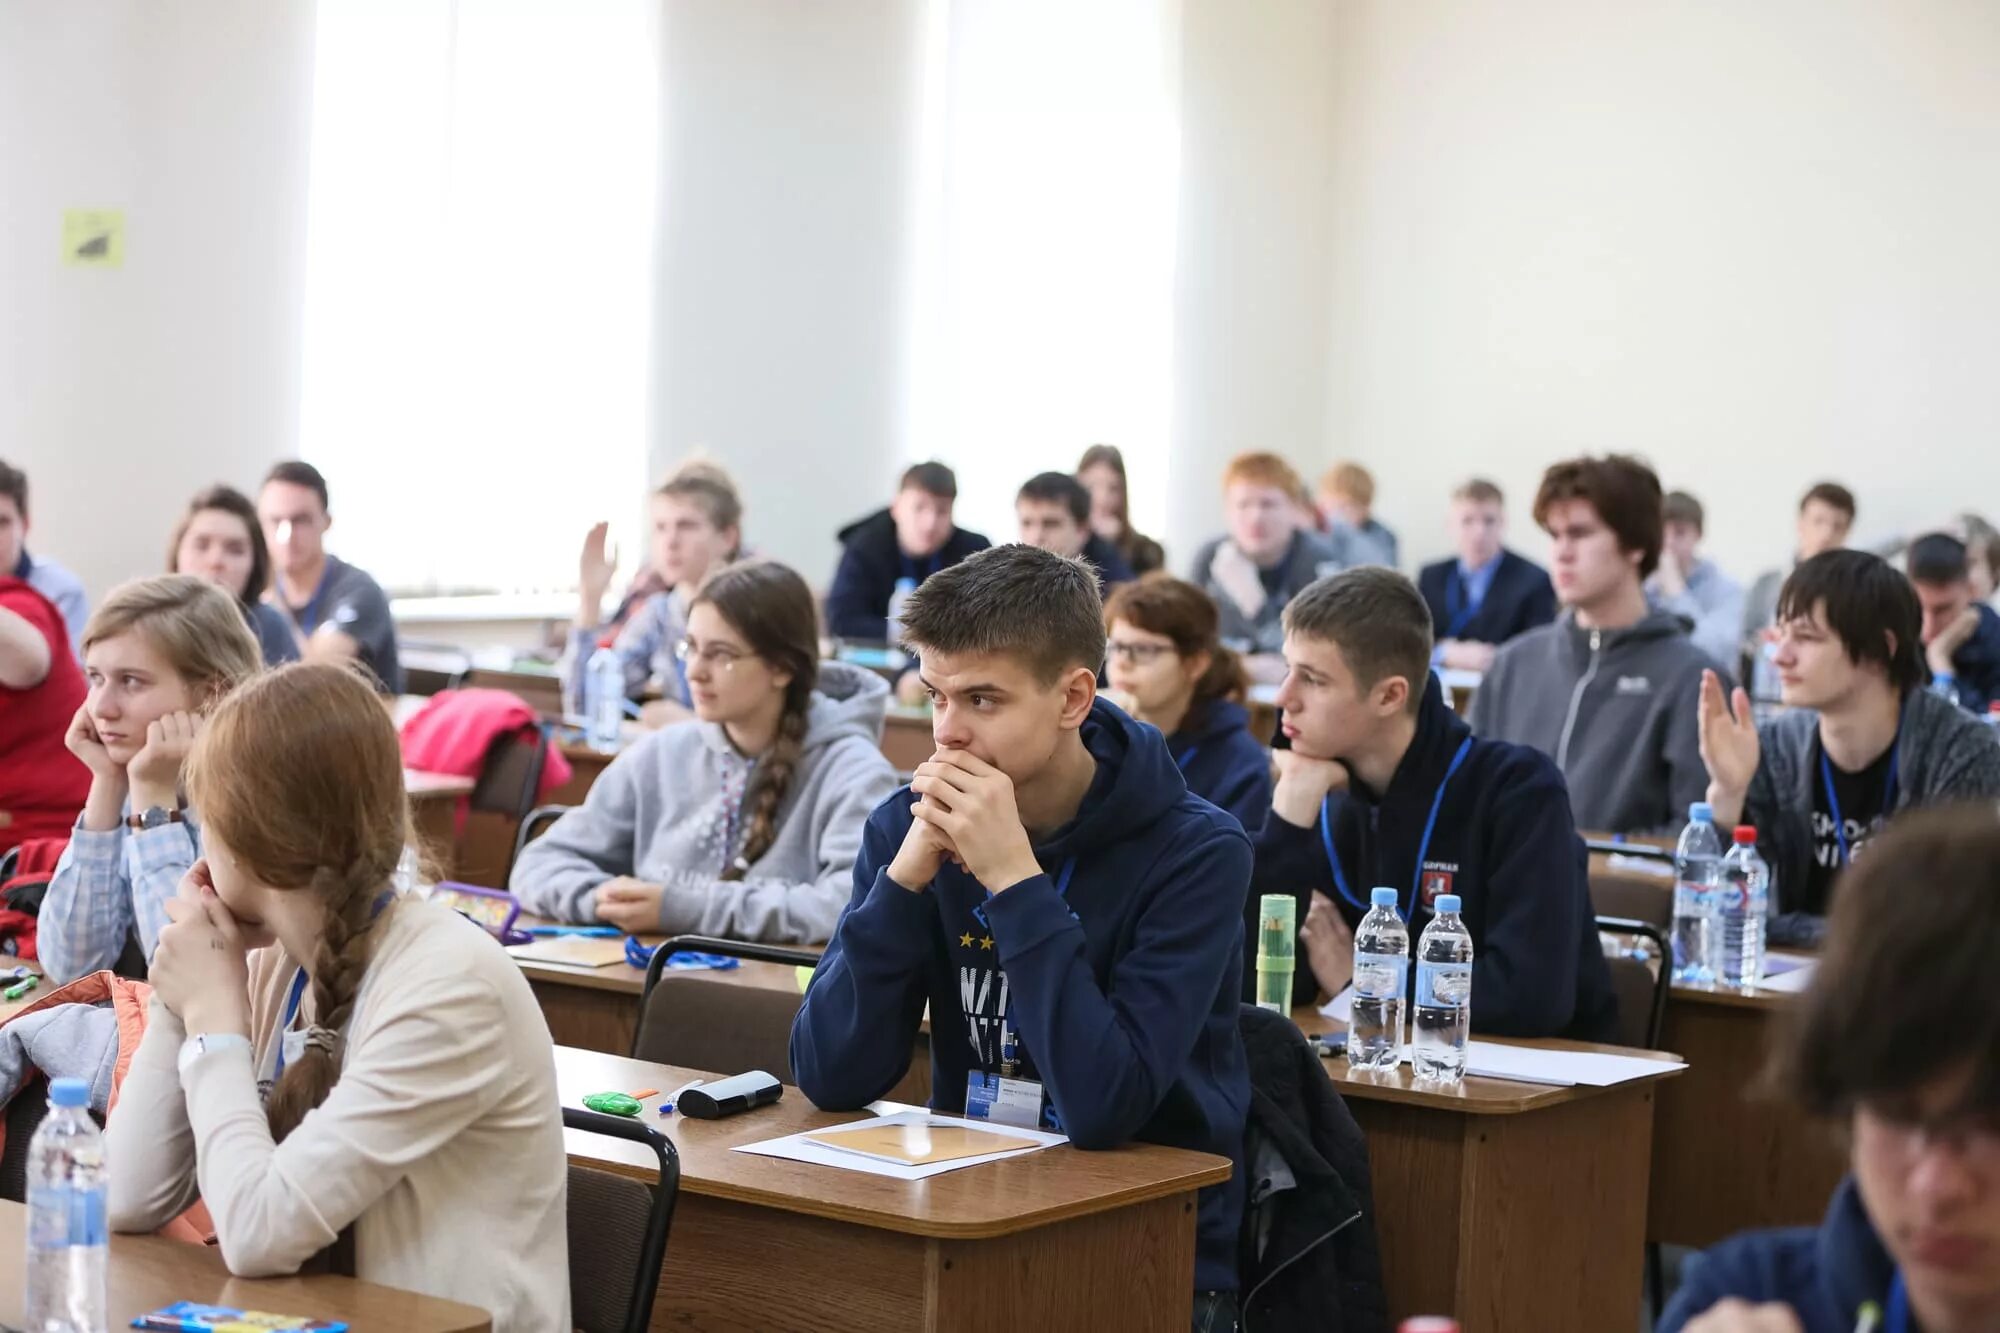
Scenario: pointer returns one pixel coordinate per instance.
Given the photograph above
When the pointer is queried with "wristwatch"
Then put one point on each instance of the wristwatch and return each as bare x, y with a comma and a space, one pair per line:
202, 1043
157, 816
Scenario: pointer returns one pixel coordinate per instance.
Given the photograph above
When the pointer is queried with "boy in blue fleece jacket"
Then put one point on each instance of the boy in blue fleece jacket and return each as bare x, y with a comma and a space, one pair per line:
1384, 784
1049, 887
1898, 1041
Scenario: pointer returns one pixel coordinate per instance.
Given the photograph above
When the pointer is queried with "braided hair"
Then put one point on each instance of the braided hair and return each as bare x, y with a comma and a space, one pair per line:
772, 608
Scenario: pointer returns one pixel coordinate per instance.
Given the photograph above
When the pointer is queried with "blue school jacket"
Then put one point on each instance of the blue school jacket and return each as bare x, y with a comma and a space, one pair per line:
1824, 1273
1519, 599
1225, 765
1124, 992
1503, 842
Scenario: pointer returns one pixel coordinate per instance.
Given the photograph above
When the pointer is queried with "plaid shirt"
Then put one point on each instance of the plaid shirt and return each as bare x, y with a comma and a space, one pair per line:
107, 884
645, 646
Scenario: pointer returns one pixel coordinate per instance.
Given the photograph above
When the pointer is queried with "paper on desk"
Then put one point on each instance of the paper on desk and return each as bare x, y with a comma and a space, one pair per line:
800, 1148
571, 950
1530, 1064
1640, 865
1340, 1008
1793, 978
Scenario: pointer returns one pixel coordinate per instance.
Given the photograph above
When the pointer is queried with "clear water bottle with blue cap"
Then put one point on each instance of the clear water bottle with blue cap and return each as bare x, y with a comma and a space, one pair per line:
1443, 1023
68, 1232
1381, 970
1697, 863
603, 699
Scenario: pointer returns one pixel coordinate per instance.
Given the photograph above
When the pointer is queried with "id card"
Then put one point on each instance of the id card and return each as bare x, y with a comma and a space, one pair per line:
1004, 1101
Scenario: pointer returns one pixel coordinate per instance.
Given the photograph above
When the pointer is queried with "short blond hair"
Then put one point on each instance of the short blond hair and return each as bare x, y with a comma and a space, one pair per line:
1264, 469
1350, 481
197, 626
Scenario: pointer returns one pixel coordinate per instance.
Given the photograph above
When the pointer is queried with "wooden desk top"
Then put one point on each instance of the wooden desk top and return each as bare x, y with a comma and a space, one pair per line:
997, 1199
424, 786
1473, 1096
147, 1272
628, 980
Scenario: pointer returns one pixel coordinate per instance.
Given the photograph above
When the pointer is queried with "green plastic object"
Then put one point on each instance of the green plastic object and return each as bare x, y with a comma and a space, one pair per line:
612, 1103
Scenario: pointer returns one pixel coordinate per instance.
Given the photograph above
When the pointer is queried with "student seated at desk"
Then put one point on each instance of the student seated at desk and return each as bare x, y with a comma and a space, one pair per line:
1053, 510
697, 529
1961, 634
335, 1070
1485, 595
1897, 1042
1052, 890
1167, 668
42, 574
1102, 472
42, 786
1862, 738
745, 825
1826, 516
1384, 784
158, 656
342, 613
219, 539
1345, 501
912, 539
1610, 690
1694, 587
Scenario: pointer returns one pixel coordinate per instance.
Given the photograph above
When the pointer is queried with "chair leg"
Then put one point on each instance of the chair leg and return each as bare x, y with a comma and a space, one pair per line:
1656, 1280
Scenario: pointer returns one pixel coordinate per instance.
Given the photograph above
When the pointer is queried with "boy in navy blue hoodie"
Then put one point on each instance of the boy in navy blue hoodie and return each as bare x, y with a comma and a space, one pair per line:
1049, 887
1898, 1042
1384, 784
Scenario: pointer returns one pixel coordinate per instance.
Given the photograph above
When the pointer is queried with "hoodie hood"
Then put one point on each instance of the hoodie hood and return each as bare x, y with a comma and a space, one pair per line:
878, 525
1136, 783
848, 701
1440, 733
1853, 1264
1218, 720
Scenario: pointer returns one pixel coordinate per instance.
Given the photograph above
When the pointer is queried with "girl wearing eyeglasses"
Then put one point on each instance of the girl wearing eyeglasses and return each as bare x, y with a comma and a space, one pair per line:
1167, 666
746, 824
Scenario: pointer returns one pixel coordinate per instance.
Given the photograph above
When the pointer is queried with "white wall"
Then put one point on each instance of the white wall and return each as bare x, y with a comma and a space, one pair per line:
123, 391
1754, 243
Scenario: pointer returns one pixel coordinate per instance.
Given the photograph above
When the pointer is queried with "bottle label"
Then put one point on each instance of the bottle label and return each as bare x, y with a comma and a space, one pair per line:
60, 1217
1380, 976
1444, 985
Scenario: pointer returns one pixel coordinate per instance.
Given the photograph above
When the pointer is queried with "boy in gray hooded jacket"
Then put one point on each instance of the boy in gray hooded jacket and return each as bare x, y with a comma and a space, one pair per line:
744, 823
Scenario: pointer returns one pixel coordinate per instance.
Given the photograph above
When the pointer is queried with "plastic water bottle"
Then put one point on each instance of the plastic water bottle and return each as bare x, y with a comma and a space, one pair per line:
1381, 968
603, 700
1697, 862
897, 600
68, 1232
1993, 716
1744, 891
1444, 995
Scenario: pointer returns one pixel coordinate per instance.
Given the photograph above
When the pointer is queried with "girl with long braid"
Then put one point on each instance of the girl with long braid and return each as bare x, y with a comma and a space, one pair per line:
745, 823
335, 1070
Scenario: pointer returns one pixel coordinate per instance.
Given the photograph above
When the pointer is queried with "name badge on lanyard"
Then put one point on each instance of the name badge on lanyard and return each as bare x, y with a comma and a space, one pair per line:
1002, 1095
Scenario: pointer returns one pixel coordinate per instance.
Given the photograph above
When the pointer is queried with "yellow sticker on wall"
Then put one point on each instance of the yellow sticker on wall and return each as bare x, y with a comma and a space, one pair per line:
93, 237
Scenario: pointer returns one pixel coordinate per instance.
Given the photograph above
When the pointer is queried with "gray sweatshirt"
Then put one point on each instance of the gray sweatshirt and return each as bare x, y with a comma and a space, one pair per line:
1947, 755
1616, 709
672, 810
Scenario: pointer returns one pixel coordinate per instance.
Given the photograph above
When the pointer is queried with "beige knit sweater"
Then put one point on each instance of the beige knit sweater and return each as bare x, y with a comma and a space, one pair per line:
442, 1141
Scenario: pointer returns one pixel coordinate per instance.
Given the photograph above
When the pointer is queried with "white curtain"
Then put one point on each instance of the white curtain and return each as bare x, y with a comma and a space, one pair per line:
479, 282
1044, 266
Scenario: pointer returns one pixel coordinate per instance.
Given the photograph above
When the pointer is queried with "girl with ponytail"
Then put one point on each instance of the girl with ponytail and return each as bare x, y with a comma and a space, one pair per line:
746, 822
335, 1071
1167, 666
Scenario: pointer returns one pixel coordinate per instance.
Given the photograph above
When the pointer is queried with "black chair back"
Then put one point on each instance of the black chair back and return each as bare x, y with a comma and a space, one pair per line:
618, 1230
1640, 979
701, 1020
534, 826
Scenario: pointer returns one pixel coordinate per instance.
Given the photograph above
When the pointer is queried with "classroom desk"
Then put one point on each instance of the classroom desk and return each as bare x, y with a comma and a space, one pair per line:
1510, 1205
1725, 1158
147, 1272
433, 799
1056, 1239
8, 1008
906, 737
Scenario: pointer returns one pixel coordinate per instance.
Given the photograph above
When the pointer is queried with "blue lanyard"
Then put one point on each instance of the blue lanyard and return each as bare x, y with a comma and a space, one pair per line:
1062, 892
1897, 1318
1833, 801
1423, 848
1186, 757
291, 1012
932, 565
1457, 617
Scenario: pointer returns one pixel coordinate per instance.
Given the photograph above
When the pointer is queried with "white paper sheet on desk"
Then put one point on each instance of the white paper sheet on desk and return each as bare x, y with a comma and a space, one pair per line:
1640, 865
1340, 1008
799, 1148
1566, 1069
1795, 978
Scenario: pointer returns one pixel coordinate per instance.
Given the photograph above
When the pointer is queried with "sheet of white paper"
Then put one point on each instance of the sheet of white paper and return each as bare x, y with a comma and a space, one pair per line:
1641, 865
1451, 678
1794, 980
799, 1148
1340, 1008
1528, 1064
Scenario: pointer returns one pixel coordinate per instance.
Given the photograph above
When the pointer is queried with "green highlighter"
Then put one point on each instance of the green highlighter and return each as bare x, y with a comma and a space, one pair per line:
1277, 950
